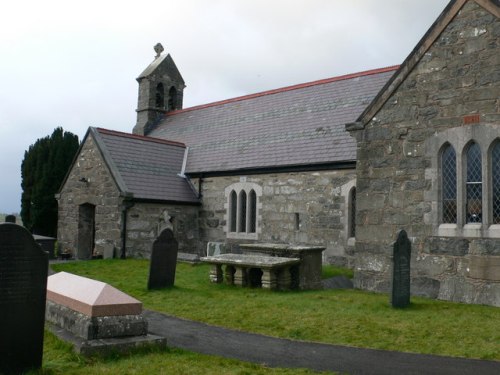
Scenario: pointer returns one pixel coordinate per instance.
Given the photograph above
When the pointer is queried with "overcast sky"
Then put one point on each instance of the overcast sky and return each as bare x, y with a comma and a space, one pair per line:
74, 64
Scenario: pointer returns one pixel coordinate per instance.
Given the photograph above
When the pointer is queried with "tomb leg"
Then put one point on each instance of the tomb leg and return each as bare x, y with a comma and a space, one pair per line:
229, 275
269, 279
284, 279
216, 273
240, 276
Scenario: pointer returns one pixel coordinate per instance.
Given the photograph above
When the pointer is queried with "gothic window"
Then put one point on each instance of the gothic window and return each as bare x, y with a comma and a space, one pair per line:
242, 210
160, 96
352, 213
473, 184
172, 99
233, 201
252, 212
467, 187
495, 181
449, 184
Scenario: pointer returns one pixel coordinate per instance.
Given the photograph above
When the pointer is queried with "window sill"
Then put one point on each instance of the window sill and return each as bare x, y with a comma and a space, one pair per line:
448, 230
243, 236
471, 230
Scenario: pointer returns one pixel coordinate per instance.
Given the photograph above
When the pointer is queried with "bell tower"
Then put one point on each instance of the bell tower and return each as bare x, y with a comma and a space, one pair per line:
160, 91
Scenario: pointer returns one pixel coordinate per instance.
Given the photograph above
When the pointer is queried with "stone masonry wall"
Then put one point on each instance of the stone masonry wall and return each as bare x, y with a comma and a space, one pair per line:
145, 222
397, 177
315, 201
100, 190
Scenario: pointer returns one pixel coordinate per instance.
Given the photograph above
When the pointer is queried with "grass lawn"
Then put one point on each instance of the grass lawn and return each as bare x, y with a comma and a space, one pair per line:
345, 317
59, 358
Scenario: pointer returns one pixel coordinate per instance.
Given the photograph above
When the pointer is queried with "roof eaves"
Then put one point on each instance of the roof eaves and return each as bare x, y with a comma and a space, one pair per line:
337, 165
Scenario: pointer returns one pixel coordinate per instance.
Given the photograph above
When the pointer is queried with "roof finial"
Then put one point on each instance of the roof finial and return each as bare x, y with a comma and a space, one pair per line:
158, 49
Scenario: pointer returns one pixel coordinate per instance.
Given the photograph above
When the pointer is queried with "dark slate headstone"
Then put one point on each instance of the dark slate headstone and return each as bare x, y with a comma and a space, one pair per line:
163, 261
23, 286
401, 271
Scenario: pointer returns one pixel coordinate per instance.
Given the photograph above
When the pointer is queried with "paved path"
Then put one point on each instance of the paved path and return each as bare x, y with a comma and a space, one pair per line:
273, 352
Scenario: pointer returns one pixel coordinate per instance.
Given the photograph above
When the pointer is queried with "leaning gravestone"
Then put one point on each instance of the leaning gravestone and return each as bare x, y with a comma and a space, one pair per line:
163, 261
23, 284
401, 271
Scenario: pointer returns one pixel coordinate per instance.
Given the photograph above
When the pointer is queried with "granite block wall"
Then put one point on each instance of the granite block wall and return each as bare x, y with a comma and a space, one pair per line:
398, 175
298, 208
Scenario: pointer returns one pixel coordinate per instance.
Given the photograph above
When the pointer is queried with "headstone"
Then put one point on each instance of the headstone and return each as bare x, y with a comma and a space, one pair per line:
163, 261
23, 283
401, 271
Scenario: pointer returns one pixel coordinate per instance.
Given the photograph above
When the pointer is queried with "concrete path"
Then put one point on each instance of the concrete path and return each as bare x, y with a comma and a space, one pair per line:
273, 352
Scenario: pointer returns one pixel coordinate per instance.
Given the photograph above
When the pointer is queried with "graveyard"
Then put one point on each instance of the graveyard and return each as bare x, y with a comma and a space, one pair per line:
337, 316
98, 312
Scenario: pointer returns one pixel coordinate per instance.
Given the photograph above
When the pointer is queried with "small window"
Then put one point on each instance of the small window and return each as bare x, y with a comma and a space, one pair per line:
242, 211
495, 180
160, 96
252, 212
474, 185
172, 99
449, 185
233, 200
352, 212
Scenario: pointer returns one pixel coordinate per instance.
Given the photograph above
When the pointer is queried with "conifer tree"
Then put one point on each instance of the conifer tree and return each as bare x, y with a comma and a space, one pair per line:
43, 169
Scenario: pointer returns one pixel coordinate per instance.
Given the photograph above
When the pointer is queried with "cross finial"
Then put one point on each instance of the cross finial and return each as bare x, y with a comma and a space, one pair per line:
158, 49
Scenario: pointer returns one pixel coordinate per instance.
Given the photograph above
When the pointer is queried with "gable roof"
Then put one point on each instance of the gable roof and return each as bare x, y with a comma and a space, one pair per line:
300, 125
145, 168
169, 67
414, 57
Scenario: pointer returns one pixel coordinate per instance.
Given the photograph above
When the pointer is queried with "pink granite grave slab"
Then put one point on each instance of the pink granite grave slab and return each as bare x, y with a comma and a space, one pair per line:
90, 297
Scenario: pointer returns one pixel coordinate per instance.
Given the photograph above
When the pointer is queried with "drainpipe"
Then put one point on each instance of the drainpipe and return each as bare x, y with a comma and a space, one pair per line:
200, 182
126, 205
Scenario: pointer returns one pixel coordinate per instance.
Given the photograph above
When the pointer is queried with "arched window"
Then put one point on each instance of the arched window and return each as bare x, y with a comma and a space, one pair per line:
495, 181
160, 96
474, 184
233, 199
252, 212
449, 185
352, 213
172, 99
242, 211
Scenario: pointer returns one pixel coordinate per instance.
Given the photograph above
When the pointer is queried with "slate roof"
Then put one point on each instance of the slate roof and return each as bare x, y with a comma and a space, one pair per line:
294, 126
146, 167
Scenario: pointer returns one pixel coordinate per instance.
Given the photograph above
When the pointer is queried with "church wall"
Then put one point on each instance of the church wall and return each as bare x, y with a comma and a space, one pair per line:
299, 208
100, 191
398, 176
145, 222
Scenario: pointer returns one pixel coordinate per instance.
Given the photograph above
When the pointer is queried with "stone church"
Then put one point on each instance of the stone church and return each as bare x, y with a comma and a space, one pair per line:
344, 163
